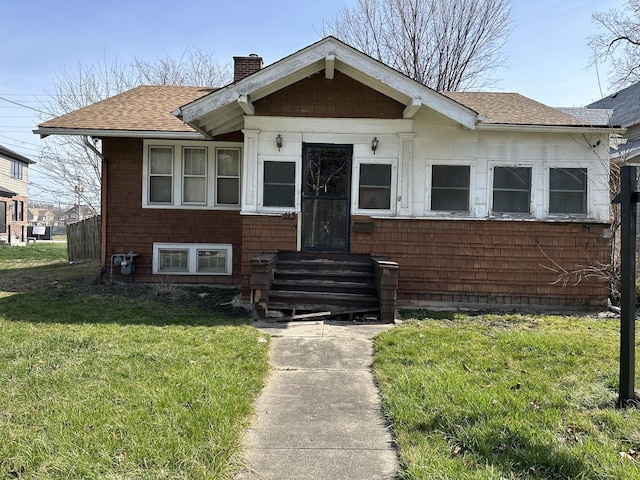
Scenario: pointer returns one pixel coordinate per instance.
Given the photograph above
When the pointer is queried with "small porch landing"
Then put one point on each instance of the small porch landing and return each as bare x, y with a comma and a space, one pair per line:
289, 286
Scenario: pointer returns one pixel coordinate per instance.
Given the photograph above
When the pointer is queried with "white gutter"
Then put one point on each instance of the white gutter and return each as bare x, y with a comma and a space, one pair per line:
45, 131
548, 128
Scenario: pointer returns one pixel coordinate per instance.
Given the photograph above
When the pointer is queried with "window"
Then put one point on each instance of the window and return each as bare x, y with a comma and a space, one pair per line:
511, 190
450, 188
16, 169
160, 174
374, 187
279, 184
568, 190
173, 260
191, 175
14, 210
194, 175
192, 259
228, 176
3, 217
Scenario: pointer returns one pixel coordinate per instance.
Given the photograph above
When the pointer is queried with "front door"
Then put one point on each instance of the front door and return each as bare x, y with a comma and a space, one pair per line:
326, 189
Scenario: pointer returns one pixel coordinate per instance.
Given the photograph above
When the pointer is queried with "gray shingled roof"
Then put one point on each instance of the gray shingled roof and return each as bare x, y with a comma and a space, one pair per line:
591, 116
625, 105
11, 155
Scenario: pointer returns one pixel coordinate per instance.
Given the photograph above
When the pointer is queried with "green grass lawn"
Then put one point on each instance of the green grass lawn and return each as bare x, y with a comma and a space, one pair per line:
117, 382
507, 397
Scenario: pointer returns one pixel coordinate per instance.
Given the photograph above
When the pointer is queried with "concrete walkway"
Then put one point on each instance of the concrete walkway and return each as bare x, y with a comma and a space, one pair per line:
319, 415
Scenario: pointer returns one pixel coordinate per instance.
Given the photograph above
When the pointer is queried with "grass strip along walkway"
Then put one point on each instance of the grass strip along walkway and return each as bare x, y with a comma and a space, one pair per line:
101, 384
507, 397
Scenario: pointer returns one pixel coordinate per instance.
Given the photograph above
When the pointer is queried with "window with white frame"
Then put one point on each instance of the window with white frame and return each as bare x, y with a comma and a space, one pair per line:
191, 175
16, 169
194, 175
192, 259
228, 176
374, 188
160, 174
567, 190
450, 185
279, 184
511, 190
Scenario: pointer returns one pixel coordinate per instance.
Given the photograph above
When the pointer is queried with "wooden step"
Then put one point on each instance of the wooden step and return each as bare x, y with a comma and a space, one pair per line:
321, 301
321, 285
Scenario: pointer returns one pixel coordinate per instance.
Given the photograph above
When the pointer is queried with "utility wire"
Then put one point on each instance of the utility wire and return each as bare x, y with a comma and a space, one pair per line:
24, 106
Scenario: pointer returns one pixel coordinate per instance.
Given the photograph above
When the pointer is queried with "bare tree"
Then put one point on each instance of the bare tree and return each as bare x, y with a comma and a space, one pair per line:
73, 164
619, 43
446, 45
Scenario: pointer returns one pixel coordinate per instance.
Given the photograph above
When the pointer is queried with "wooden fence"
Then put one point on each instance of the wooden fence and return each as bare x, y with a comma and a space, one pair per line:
83, 239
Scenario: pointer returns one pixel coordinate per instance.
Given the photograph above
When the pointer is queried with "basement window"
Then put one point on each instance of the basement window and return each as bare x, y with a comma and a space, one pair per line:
192, 259
568, 191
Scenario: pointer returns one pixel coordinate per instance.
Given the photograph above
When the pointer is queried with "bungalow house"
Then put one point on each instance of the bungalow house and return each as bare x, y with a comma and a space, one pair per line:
328, 157
14, 186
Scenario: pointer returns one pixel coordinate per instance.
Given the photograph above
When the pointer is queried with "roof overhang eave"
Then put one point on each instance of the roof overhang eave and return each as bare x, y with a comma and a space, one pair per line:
46, 131
511, 127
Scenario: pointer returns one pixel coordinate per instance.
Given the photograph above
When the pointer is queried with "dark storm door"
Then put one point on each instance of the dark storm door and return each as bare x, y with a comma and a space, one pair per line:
326, 196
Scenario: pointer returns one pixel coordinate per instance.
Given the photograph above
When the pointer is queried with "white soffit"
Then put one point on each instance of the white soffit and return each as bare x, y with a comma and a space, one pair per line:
225, 108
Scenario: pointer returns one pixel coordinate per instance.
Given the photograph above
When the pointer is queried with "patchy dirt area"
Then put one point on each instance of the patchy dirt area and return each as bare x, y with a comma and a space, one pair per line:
84, 277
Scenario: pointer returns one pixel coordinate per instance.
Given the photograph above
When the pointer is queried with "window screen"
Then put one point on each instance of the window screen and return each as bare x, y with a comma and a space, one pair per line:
375, 187
450, 188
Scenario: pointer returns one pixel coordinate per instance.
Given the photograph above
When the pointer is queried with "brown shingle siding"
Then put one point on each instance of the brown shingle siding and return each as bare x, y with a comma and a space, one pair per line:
495, 262
130, 227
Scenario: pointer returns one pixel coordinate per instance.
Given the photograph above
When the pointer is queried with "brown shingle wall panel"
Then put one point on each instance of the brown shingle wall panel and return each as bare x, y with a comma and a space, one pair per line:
130, 227
489, 261
340, 97
265, 234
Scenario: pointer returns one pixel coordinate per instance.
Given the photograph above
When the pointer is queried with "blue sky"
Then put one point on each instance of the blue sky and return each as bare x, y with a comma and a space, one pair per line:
547, 55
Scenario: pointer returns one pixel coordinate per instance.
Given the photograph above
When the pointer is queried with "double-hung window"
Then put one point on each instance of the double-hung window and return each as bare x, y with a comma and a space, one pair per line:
374, 186
568, 191
160, 174
16, 169
450, 186
511, 190
279, 184
228, 176
194, 175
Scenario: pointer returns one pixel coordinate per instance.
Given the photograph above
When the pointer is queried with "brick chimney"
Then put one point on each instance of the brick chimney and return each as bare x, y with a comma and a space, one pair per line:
243, 66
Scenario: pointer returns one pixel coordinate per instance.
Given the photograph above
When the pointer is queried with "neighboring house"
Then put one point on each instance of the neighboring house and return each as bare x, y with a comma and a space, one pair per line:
625, 111
14, 186
41, 216
76, 213
482, 199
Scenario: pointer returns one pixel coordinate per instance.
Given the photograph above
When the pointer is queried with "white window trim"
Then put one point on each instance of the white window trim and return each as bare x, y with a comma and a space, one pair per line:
211, 183
533, 190
217, 176
547, 191
298, 184
192, 248
355, 187
206, 175
471, 163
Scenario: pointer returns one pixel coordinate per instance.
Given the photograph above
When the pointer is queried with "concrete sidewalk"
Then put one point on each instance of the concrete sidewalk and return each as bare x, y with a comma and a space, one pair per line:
319, 415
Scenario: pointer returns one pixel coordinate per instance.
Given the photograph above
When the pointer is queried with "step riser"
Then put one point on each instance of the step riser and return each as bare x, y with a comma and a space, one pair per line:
308, 281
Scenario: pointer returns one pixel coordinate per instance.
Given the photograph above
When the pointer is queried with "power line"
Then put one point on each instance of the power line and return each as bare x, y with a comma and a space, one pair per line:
24, 106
